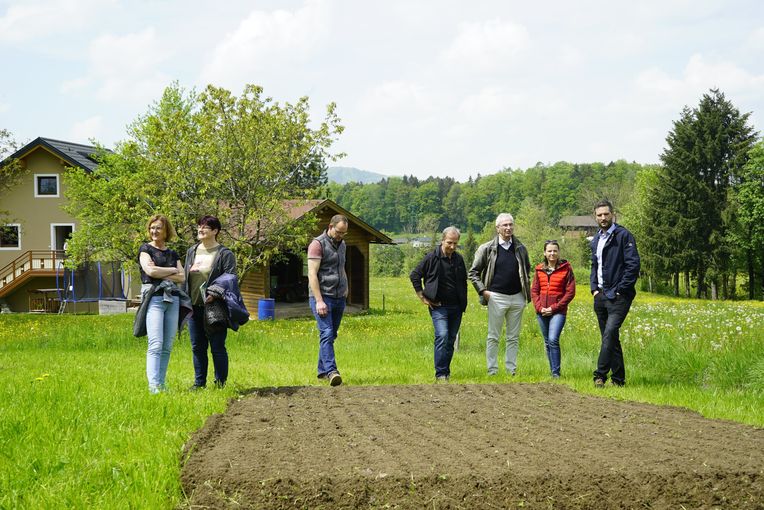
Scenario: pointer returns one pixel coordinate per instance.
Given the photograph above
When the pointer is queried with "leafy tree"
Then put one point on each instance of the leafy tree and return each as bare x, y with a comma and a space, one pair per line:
750, 198
387, 260
10, 169
637, 220
239, 158
533, 229
470, 247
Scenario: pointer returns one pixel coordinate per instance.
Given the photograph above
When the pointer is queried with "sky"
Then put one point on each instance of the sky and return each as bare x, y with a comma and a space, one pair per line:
444, 88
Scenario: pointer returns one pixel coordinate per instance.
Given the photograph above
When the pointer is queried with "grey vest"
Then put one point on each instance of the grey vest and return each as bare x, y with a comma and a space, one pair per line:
331, 273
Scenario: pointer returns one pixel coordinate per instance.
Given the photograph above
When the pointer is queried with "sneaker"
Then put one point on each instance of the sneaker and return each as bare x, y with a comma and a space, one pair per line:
599, 383
441, 379
334, 379
323, 376
195, 387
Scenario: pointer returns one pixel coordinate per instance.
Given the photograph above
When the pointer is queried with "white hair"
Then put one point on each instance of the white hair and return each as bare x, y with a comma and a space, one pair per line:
451, 230
504, 217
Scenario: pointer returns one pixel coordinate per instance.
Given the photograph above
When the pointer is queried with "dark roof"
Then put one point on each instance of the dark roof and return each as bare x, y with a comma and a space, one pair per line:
578, 221
75, 154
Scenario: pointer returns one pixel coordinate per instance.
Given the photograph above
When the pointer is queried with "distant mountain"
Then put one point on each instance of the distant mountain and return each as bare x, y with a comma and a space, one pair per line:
346, 174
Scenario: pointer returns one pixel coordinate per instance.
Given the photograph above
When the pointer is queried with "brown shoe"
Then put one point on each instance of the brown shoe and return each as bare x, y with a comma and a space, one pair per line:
335, 379
599, 383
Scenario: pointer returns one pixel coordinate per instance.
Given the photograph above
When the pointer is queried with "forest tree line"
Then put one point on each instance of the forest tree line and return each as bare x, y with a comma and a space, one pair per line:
698, 216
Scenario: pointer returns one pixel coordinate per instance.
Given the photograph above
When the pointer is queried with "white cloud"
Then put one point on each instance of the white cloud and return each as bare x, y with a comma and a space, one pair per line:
263, 39
86, 129
487, 46
756, 39
396, 97
491, 101
36, 19
124, 68
655, 90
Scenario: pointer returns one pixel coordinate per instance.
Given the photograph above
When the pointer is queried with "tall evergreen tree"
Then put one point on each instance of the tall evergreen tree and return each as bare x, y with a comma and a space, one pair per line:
691, 215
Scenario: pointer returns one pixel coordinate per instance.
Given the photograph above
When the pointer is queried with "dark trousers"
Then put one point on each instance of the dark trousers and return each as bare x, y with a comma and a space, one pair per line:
199, 342
610, 315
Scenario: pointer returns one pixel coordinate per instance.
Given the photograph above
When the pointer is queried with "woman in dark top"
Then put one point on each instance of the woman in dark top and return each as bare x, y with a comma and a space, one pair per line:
205, 261
160, 270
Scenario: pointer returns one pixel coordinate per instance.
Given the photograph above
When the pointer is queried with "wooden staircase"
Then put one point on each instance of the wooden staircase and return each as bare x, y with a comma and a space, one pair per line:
30, 264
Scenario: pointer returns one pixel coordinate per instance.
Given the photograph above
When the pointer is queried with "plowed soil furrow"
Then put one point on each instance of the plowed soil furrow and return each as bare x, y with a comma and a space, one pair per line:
468, 446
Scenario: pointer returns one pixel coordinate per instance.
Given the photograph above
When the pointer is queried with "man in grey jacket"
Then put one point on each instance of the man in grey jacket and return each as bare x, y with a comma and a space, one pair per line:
500, 274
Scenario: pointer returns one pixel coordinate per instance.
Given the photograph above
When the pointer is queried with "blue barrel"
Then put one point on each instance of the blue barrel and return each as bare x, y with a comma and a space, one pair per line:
266, 309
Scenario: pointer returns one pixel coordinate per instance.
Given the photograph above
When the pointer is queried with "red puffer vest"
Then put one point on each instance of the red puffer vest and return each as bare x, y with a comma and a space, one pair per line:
556, 289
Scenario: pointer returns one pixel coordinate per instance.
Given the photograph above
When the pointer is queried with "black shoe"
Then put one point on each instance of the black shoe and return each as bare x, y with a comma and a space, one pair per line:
599, 383
194, 387
334, 379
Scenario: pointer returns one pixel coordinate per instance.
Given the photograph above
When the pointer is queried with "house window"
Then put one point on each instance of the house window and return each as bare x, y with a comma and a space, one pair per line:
46, 185
10, 237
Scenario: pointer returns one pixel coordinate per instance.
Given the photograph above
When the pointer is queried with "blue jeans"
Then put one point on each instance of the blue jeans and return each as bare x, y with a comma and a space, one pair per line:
446, 320
551, 327
161, 327
327, 333
610, 315
199, 342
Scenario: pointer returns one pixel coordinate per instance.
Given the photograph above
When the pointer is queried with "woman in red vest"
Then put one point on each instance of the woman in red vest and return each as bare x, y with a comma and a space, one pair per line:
554, 287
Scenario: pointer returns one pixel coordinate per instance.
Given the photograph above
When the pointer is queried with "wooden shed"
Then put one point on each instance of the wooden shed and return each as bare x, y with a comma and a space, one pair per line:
286, 279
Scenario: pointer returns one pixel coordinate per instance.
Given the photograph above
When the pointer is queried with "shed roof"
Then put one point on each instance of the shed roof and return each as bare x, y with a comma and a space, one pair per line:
578, 221
296, 209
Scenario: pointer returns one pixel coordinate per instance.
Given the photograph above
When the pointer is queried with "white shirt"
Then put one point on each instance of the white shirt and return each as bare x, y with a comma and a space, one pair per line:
603, 237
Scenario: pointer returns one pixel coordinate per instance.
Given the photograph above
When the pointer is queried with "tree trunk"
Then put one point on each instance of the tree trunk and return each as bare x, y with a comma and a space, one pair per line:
701, 282
714, 291
751, 275
733, 285
686, 284
676, 284
725, 286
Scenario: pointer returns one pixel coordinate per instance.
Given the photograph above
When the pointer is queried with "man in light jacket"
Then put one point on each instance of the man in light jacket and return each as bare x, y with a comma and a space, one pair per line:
500, 274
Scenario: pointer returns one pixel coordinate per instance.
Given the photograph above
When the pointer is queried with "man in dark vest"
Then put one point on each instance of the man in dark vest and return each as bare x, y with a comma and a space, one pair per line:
500, 274
328, 289
445, 294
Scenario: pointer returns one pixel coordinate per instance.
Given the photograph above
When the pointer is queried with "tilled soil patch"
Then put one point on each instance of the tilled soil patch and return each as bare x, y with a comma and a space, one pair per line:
467, 446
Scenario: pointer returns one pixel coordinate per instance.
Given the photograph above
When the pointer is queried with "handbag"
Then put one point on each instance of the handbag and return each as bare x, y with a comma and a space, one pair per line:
215, 316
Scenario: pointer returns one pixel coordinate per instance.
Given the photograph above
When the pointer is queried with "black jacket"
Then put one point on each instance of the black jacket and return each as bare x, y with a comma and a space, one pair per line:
428, 269
621, 264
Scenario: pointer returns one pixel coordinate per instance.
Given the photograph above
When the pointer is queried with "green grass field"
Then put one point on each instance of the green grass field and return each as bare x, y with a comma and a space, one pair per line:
79, 429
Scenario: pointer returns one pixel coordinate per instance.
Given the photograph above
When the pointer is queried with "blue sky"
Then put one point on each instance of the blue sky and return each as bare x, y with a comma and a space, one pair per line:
448, 88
